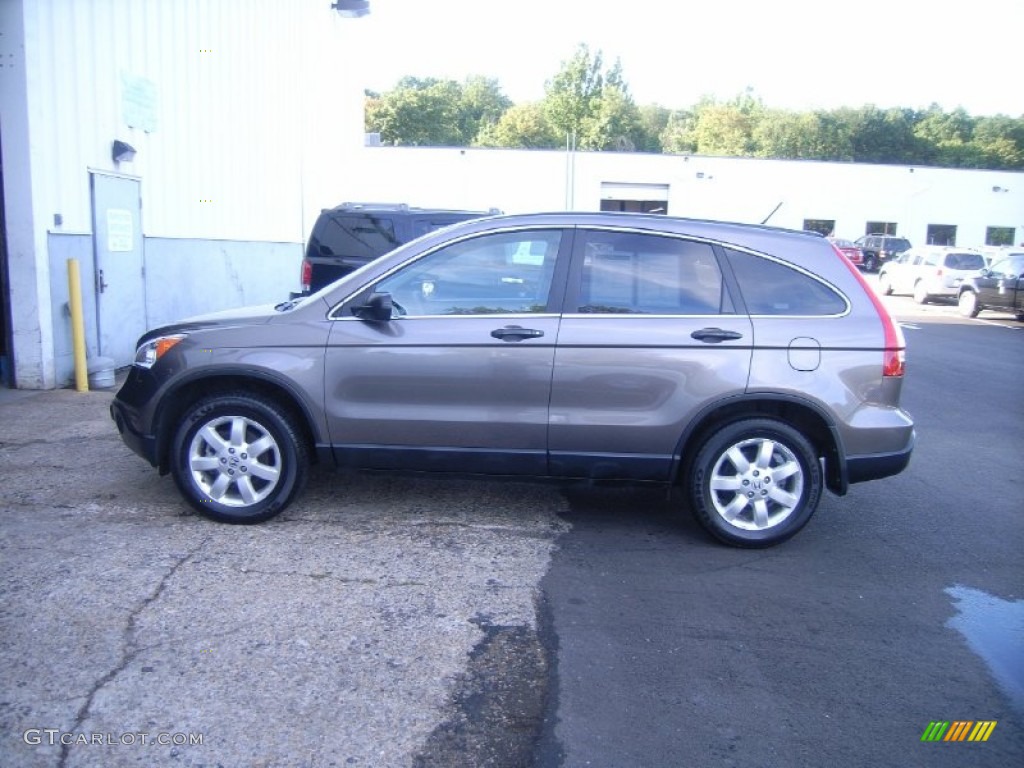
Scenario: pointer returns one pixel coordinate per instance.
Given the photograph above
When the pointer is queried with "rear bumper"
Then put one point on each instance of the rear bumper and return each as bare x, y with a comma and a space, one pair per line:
876, 466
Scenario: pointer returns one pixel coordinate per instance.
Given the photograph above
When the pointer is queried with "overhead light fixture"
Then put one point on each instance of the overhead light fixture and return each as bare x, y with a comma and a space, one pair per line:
351, 9
122, 152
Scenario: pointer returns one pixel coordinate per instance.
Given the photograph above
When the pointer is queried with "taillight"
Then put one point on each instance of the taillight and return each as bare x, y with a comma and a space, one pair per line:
894, 355
306, 276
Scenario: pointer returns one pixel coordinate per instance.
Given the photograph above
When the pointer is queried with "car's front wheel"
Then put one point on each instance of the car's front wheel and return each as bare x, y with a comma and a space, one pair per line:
238, 458
755, 483
967, 304
870, 262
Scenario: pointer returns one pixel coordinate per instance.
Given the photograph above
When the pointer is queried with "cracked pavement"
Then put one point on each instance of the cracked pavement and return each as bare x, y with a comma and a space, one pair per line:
362, 627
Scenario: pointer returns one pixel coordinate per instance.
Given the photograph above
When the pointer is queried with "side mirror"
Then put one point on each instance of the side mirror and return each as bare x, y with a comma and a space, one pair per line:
379, 308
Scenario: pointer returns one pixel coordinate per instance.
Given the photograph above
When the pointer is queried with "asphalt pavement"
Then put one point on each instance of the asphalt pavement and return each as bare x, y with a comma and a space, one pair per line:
381, 621
898, 606
413, 621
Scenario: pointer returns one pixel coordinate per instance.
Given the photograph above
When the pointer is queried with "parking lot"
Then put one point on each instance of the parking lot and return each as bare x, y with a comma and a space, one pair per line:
339, 635
391, 620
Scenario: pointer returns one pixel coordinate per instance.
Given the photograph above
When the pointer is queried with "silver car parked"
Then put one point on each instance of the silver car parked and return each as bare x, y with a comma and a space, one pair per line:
930, 271
749, 365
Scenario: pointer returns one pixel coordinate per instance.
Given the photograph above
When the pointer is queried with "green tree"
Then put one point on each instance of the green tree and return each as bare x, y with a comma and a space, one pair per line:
482, 105
678, 136
946, 137
615, 122
999, 142
789, 135
882, 136
524, 126
425, 112
654, 119
571, 96
417, 112
834, 140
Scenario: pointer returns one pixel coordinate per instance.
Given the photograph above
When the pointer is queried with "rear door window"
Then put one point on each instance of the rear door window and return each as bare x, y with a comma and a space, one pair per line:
630, 273
772, 288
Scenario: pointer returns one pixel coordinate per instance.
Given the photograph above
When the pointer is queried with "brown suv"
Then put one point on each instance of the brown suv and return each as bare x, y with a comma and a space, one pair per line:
749, 365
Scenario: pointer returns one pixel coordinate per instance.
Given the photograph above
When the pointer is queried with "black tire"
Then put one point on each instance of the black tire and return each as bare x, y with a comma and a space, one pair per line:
921, 295
885, 284
754, 514
870, 262
218, 473
967, 304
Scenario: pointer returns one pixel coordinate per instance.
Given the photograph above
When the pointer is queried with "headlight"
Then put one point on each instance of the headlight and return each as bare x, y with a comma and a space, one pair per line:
154, 349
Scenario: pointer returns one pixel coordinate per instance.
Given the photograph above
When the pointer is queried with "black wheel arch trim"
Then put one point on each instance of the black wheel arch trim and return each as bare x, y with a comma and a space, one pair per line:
836, 472
163, 430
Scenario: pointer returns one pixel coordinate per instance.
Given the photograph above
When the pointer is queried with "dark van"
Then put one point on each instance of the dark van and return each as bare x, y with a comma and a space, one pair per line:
353, 234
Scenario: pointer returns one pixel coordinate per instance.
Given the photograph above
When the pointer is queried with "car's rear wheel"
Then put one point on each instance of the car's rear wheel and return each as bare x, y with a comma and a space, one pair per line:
921, 295
870, 262
967, 304
885, 284
755, 483
238, 458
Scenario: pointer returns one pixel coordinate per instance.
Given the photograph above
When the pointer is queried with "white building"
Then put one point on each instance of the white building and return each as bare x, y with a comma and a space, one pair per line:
234, 110
245, 118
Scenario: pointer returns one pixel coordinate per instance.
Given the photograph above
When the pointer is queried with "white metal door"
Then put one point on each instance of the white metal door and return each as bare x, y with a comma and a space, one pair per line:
120, 280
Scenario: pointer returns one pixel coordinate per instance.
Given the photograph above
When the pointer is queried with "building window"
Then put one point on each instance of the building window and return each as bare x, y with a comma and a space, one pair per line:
826, 227
880, 228
999, 235
941, 234
635, 206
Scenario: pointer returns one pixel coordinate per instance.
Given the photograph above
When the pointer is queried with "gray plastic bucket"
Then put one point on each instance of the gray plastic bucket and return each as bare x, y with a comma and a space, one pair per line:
101, 373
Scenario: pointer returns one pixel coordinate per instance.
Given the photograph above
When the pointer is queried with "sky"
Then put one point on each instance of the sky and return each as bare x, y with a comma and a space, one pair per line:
794, 54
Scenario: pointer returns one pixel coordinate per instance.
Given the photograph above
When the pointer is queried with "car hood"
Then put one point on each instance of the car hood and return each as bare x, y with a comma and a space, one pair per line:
255, 315
251, 315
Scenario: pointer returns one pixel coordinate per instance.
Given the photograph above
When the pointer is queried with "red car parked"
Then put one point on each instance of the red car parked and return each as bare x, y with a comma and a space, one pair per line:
849, 250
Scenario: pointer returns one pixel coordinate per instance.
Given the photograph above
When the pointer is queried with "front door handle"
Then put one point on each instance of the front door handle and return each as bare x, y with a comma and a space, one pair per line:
715, 335
516, 333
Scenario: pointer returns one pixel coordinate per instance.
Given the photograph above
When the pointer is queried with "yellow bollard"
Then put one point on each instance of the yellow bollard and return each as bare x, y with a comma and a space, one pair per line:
77, 326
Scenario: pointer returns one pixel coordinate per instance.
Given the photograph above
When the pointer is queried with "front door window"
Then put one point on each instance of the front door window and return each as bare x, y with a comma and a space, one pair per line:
509, 273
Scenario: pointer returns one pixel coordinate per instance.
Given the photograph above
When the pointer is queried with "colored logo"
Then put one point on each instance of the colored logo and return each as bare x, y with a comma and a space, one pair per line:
958, 730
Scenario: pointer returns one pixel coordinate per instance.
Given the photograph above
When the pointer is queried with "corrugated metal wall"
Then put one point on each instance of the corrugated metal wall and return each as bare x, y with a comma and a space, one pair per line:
234, 81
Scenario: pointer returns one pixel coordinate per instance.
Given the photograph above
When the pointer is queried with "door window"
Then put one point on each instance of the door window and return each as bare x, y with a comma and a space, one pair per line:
631, 273
508, 273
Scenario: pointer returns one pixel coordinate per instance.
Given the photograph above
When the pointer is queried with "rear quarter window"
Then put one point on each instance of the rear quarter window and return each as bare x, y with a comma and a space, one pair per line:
360, 237
772, 288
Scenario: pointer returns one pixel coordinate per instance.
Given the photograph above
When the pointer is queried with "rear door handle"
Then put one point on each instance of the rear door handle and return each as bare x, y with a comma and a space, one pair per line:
715, 335
516, 333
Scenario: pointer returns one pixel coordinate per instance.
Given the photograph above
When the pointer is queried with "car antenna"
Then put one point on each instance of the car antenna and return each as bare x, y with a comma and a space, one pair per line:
773, 212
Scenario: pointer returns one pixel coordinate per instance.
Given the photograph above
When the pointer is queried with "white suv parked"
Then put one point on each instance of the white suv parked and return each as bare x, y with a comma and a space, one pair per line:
930, 271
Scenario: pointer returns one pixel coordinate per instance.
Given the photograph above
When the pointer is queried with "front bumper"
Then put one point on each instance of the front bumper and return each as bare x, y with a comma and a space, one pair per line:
142, 444
130, 411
